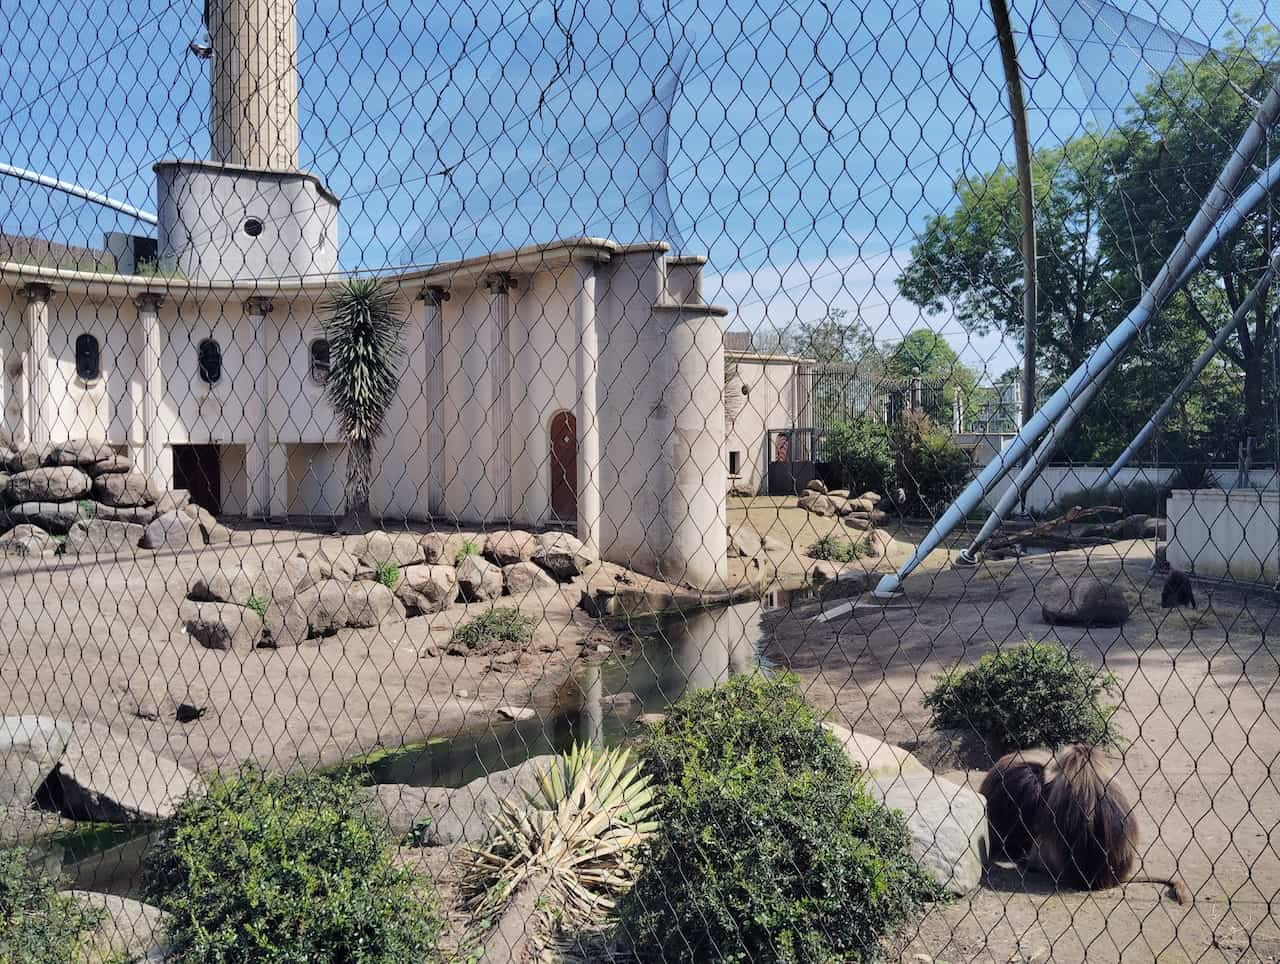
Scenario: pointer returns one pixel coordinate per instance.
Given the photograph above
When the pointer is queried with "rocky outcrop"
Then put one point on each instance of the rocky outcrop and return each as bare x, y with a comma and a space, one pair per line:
125, 489
479, 579
54, 484
55, 517
173, 530
30, 748
1083, 602
427, 588
562, 555
948, 825
103, 537
523, 577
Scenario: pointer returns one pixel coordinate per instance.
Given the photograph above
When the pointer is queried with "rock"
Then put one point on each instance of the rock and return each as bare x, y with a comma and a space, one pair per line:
818, 503
94, 536
516, 712
173, 698
221, 625
105, 776
368, 604
1084, 602
172, 501
650, 719
1130, 527
112, 463
1154, 529
231, 584
444, 548
954, 749
859, 523
479, 579
138, 515
211, 531
948, 825
30, 747
816, 485
427, 589
744, 542
173, 530
55, 517
562, 555
27, 540
55, 484
448, 816
860, 505
130, 931
839, 493
874, 756
125, 489
23, 459
377, 549
325, 606
77, 452
509, 546
822, 571
523, 577
330, 560
872, 497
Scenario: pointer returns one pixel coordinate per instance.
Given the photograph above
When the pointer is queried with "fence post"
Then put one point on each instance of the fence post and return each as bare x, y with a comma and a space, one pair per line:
916, 390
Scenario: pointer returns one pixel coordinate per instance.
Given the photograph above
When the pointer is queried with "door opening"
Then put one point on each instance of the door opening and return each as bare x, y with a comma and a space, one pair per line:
564, 466
198, 469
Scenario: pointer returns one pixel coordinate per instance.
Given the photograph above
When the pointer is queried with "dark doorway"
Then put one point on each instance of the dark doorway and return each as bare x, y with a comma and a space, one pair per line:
564, 466
197, 468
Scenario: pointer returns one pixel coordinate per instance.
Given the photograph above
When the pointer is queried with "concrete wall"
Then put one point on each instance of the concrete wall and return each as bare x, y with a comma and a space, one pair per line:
1233, 534
769, 404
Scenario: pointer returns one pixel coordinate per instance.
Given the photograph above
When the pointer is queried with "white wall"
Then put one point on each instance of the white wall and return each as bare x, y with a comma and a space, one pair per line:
1233, 534
770, 403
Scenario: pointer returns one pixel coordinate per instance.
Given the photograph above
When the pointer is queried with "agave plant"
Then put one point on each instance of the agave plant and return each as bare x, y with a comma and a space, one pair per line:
560, 862
364, 331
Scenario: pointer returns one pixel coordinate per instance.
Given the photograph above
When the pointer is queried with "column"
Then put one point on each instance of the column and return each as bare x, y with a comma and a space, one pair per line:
587, 365
433, 299
154, 437
39, 404
499, 366
258, 463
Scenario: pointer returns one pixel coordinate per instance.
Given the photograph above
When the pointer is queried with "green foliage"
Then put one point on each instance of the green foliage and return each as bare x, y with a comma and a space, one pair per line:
388, 573
287, 869
86, 509
259, 605
499, 624
861, 450
768, 849
835, 549
1031, 695
37, 924
469, 548
931, 469
926, 353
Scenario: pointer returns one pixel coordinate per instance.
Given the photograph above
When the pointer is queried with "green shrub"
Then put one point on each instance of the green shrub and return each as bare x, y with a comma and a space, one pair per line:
1031, 695
388, 574
86, 509
287, 869
861, 451
931, 469
767, 849
37, 924
499, 624
836, 549
259, 604
469, 548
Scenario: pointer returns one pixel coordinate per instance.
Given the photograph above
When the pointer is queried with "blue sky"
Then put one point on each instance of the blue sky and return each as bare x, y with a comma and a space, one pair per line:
800, 149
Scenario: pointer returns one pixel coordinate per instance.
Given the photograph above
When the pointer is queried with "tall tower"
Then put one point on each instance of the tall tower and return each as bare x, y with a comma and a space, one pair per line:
254, 78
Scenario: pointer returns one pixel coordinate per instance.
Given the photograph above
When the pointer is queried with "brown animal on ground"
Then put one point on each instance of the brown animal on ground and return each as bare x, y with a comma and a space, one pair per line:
1064, 814
1177, 591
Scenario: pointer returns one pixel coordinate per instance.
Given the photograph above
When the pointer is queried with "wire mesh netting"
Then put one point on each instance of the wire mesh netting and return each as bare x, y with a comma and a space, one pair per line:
639, 481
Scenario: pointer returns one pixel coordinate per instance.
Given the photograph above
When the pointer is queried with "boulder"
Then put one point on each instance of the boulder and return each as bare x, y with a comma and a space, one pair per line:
1130, 527
377, 549
172, 501
873, 497
516, 713
55, 517
27, 540
522, 577
954, 749
330, 560
1083, 602
479, 579
818, 503
77, 452
370, 603
136, 514
125, 489
839, 493
94, 536
427, 588
211, 530
816, 485
744, 542
30, 747
443, 548
1155, 529
112, 463
105, 776
510, 546
562, 555
231, 584
860, 505
874, 756
129, 931
221, 625
948, 825
445, 816
62, 483
22, 459
172, 530
859, 523
155, 698
325, 605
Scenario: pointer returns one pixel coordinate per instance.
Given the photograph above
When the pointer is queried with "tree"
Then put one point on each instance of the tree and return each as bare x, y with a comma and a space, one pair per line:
364, 331
928, 354
834, 338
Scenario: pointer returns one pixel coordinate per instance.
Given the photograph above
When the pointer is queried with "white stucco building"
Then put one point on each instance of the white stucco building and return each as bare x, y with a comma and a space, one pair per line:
574, 382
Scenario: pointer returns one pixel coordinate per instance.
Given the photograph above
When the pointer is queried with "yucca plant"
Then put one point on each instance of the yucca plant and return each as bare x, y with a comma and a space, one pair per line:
557, 864
364, 330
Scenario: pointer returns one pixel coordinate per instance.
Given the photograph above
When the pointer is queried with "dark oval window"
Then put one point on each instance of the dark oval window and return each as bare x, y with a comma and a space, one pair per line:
88, 357
320, 360
253, 227
209, 356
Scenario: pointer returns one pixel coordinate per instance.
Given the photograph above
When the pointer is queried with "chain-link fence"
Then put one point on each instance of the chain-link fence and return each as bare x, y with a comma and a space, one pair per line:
639, 481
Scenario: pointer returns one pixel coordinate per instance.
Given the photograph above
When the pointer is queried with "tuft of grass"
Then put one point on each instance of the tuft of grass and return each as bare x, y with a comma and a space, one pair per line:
388, 574
499, 624
835, 549
87, 509
469, 548
259, 605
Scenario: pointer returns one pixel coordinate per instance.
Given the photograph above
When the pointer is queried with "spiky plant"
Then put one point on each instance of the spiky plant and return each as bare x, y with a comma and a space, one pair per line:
364, 330
558, 863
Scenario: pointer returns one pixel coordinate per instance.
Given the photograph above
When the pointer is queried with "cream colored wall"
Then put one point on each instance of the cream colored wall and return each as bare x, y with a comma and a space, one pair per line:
103, 408
14, 344
769, 404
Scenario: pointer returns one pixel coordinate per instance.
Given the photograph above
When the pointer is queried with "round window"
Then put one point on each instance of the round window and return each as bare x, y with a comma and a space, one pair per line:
253, 227
209, 361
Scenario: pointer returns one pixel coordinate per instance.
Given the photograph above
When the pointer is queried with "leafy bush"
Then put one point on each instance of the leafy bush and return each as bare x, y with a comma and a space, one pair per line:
861, 452
37, 924
86, 509
286, 869
388, 574
836, 549
499, 624
1031, 695
767, 849
931, 469
469, 548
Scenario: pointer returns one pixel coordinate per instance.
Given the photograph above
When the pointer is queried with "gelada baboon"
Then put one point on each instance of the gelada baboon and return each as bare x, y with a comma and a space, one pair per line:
1064, 814
1177, 591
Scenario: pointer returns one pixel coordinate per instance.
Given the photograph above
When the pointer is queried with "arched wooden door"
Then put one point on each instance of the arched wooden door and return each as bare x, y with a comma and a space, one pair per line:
564, 465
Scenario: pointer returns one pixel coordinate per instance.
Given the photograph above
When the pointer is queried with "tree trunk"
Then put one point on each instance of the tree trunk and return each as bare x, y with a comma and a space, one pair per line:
1254, 410
359, 472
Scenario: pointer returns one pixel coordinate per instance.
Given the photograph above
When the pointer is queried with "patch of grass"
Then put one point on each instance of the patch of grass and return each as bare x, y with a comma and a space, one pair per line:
259, 605
36, 922
1031, 695
499, 624
469, 548
388, 574
835, 549
87, 509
